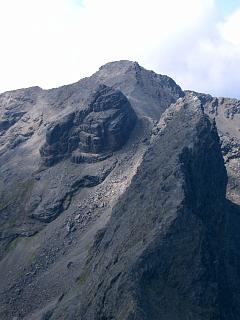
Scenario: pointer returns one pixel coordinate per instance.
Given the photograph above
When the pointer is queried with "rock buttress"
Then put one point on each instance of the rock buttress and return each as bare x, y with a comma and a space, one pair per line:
165, 253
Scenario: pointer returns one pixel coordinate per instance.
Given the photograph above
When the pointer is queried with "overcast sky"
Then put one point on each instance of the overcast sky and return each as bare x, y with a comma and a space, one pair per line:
54, 42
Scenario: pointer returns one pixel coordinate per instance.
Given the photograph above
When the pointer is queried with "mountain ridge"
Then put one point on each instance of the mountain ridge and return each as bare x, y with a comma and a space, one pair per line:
59, 220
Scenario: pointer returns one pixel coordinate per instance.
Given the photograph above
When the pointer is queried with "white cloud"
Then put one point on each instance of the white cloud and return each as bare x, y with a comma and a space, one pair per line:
54, 42
210, 62
230, 29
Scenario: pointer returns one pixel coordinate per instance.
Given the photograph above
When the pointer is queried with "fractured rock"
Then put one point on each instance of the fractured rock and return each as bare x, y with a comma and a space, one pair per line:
91, 134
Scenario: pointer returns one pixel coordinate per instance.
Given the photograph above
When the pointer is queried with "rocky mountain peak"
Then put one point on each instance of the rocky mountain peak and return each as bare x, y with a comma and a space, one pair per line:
176, 198
119, 199
148, 92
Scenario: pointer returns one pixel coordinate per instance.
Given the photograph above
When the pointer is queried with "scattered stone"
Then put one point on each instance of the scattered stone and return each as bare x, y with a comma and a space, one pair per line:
77, 217
69, 264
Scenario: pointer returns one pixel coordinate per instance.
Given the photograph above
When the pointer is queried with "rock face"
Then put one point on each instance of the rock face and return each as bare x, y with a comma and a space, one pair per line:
164, 254
102, 126
113, 201
15, 104
226, 113
149, 93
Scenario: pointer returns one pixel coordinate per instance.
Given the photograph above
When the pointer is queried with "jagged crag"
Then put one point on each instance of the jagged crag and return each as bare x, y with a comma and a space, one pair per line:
119, 199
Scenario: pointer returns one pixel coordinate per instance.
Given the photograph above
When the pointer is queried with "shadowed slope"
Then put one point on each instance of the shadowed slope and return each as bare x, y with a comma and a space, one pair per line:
164, 254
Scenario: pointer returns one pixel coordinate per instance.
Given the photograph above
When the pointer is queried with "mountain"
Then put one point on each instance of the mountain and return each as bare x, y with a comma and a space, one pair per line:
119, 199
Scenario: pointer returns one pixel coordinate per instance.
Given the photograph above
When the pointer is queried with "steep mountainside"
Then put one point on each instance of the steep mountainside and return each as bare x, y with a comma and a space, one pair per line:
166, 252
226, 113
39, 128
113, 200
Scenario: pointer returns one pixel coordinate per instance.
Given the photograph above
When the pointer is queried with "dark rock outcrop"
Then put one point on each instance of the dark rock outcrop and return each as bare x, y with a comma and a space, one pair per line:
226, 113
164, 253
103, 126
151, 193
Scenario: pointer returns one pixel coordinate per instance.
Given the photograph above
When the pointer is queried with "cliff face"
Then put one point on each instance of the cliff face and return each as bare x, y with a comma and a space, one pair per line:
163, 253
226, 113
113, 200
102, 126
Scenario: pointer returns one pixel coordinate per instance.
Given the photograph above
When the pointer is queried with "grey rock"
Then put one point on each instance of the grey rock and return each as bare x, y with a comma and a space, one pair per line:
226, 113
151, 193
167, 250
91, 134
149, 93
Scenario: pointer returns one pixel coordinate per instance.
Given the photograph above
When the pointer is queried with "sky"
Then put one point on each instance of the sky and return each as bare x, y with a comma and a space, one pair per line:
55, 42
